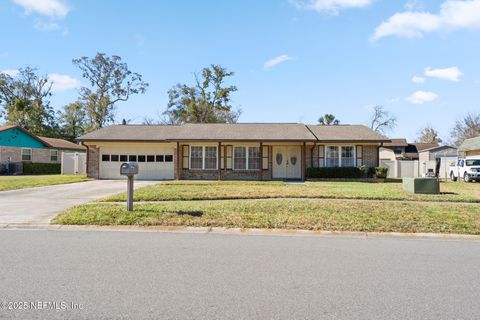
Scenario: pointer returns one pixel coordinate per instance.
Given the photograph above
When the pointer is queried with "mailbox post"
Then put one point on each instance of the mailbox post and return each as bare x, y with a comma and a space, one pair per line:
129, 169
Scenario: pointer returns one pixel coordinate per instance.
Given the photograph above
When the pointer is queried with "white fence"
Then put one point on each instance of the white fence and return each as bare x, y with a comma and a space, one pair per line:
74, 163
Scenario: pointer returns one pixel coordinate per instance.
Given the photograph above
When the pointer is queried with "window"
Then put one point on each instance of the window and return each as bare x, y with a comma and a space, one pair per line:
210, 157
254, 158
26, 154
348, 157
132, 158
150, 158
105, 157
53, 155
141, 158
168, 158
159, 158
203, 158
332, 159
240, 158
123, 158
337, 156
114, 157
196, 158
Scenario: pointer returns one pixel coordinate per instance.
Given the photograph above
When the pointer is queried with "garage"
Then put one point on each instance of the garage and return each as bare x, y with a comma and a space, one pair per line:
155, 161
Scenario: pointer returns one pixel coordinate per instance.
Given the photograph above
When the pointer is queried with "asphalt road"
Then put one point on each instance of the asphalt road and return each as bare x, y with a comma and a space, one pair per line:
39, 205
152, 275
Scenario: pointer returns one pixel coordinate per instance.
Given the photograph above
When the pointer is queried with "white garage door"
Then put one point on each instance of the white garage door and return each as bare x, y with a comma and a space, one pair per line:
154, 162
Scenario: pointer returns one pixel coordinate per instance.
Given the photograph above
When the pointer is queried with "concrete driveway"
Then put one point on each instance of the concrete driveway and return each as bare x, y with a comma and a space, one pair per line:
40, 205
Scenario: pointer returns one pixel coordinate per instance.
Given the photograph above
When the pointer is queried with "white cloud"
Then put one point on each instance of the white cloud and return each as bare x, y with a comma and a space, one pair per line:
51, 8
330, 6
10, 72
413, 5
276, 61
421, 97
452, 73
416, 79
61, 82
453, 15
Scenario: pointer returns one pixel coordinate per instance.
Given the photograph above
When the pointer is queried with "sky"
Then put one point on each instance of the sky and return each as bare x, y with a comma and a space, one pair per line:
294, 60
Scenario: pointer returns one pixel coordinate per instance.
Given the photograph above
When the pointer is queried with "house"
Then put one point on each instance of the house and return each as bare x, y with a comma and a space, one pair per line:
255, 151
400, 149
436, 160
18, 145
470, 147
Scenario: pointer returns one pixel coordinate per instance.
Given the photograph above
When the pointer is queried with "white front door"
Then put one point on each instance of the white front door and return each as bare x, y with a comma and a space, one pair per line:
287, 162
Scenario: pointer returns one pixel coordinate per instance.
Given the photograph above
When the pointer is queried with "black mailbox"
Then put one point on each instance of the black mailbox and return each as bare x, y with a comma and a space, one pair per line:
129, 169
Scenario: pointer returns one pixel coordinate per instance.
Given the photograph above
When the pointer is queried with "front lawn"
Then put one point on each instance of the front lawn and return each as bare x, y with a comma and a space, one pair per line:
20, 182
312, 214
214, 190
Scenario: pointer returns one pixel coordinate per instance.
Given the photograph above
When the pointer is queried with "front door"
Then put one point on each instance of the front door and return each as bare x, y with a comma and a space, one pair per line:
287, 162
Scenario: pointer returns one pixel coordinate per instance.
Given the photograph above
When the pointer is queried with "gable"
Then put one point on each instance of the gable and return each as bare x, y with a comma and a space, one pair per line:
15, 137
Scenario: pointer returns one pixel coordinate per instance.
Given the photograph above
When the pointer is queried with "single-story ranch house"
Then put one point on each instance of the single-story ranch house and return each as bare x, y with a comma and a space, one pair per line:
19, 145
259, 151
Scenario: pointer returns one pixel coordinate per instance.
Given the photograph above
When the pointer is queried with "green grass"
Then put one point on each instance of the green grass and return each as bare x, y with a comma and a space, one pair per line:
20, 182
213, 190
312, 214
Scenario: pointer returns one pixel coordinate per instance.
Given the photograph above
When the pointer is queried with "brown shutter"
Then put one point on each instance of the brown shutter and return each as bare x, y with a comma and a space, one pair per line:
265, 157
229, 156
185, 156
359, 153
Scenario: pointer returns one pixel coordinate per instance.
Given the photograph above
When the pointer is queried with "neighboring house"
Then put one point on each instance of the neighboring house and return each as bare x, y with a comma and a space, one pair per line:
437, 160
229, 151
400, 149
18, 145
470, 147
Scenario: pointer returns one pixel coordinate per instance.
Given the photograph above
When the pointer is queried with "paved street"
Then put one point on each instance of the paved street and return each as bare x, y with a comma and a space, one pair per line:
154, 275
39, 205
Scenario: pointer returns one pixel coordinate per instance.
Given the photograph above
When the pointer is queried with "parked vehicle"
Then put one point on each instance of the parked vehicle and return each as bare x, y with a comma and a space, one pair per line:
467, 169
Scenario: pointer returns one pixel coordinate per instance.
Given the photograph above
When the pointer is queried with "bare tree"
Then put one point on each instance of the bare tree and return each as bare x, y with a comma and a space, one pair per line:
468, 127
382, 121
428, 135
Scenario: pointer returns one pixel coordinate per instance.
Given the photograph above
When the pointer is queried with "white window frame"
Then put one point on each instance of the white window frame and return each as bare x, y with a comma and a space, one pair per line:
31, 153
51, 155
340, 147
203, 159
247, 148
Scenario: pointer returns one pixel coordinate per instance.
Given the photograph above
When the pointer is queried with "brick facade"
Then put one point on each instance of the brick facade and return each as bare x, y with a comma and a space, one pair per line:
93, 162
370, 156
39, 155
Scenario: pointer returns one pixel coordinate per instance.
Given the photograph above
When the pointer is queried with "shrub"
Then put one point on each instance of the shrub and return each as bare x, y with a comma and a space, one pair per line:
339, 173
381, 172
41, 168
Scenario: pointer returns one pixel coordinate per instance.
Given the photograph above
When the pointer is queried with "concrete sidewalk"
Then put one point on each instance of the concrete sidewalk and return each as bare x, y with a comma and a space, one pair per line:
39, 205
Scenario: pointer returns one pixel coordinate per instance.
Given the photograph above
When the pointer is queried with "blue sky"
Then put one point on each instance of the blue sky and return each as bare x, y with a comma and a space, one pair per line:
293, 60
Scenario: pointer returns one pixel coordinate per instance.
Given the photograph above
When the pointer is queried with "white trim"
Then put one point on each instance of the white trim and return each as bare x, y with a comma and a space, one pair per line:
247, 148
51, 151
31, 154
203, 158
340, 147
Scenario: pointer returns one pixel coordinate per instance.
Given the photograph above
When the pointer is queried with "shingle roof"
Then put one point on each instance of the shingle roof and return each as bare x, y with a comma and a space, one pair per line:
62, 144
233, 132
470, 144
211, 131
423, 146
399, 142
346, 133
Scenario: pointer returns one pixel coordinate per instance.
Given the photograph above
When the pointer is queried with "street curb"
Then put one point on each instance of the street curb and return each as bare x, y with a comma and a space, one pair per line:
238, 231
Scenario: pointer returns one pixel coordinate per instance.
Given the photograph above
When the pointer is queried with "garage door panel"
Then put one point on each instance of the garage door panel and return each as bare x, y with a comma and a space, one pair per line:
158, 170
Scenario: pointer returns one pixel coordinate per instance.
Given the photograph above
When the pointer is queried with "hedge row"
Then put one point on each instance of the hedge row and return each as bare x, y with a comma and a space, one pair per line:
41, 168
347, 173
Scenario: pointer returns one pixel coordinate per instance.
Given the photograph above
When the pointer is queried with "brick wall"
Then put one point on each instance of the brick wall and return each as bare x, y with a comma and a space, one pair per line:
93, 163
370, 156
38, 155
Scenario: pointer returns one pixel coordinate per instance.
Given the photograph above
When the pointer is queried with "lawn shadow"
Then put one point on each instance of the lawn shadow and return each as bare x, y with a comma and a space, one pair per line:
454, 193
190, 213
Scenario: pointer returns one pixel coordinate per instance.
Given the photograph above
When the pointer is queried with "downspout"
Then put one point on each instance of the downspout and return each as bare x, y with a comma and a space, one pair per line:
378, 154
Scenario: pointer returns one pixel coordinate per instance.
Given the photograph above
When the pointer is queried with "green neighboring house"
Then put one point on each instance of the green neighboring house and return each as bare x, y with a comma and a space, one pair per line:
18, 145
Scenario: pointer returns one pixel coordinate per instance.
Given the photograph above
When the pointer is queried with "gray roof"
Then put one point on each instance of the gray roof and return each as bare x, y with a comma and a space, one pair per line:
470, 144
346, 132
234, 132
